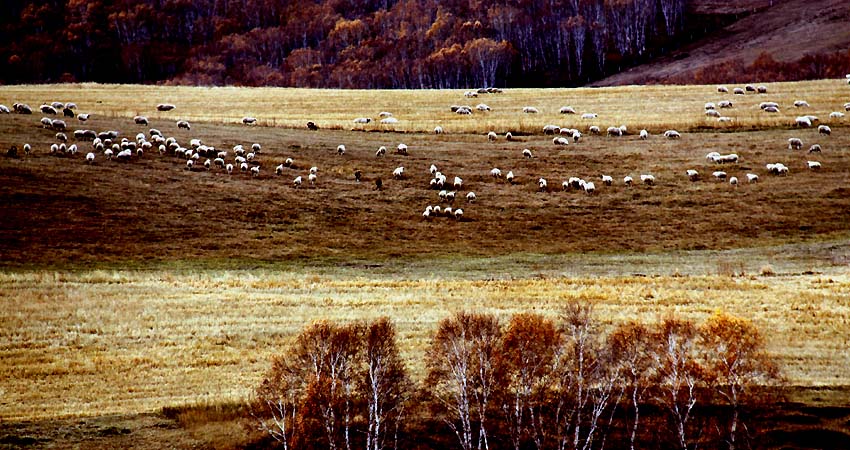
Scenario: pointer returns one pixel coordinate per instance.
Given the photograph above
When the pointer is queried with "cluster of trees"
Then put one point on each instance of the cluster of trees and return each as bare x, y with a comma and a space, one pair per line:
531, 383
333, 43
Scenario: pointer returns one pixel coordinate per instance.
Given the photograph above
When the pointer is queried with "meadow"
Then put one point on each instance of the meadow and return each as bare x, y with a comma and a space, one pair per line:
132, 287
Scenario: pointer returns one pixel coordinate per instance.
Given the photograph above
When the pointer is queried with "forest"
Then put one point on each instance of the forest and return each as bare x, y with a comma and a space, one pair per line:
333, 43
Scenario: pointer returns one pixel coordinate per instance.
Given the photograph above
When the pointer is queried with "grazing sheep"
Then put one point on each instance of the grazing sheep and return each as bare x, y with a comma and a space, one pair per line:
288, 162
458, 183
229, 168
575, 182
648, 180
398, 173
68, 112
4, 109
724, 119
738, 91
777, 169
712, 113
278, 170
482, 107
255, 171
450, 196
46, 122
719, 175
530, 110
218, 162
615, 131
312, 126
771, 109
672, 134
803, 121
589, 187
438, 130
27, 149
824, 129
836, 115
710, 105
607, 180
381, 151
509, 136
243, 167
165, 107
447, 211
491, 136
527, 153
182, 124
752, 178
725, 159
71, 105
442, 194
401, 149
693, 175
340, 149
847, 106
58, 124
565, 186
495, 173
812, 118
296, 183
801, 104
357, 175
725, 104
644, 134
815, 148
470, 94
593, 129
464, 110
140, 120
429, 210
362, 120
61, 137
250, 156
542, 184
723, 89
750, 88
588, 116
189, 164
385, 114
314, 170
72, 149
207, 164
389, 121
627, 180
733, 181
567, 110
795, 144
249, 120
47, 109
765, 105
510, 177
470, 197
813, 165
551, 129
458, 214
762, 89
107, 154
561, 141
89, 157
433, 169
22, 108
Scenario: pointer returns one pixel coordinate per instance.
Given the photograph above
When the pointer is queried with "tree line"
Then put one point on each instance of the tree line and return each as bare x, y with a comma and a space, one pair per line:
332, 43
532, 383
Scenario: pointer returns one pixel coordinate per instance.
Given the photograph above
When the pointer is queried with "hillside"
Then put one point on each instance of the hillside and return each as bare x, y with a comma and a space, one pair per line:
787, 31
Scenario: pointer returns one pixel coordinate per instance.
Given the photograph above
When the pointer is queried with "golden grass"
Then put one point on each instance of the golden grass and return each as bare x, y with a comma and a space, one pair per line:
105, 342
655, 108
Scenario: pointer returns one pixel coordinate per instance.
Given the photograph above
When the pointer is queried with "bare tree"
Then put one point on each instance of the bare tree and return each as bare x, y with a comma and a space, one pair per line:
631, 347
386, 383
735, 362
276, 408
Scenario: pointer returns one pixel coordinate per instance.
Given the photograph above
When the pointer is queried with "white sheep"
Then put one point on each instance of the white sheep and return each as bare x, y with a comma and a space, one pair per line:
297, 182
847, 106
510, 177
218, 162
229, 168
795, 144
551, 129
27, 149
398, 173
803, 121
381, 151
47, 109
57, 124
733, 181
189, 163
588, 116
723, 89
509, 136
389, 121
165, 107
314, 170
712, 113
495, 173
813, 165
340, 149
777, 169
184, 125
765, 105
458, 183
561, 141
825, 130
644, 134
433, 169
243, 167
724, 159
647, 179
615, 131
279, 169
567, 110
385, 114
447, 211
492, 136
589, 187
801, 104
83, 117
752, 178
428, 212
458, 214
5, 109
438, 130
607, 180
256, 147
724, 119
771, 109
719, 175
362, 120
576, 135
593, 129
530, 110
627, 180
450, 196
542, 184
62, 137
90, 157
470, 94
250, 156
249, 120
527, 153
836, 115
311, 178
738, 91
725, 104
442, 194
815, 148
692, 174
288, 162
762, 89
672, 134
255, 171
401, 149
482, 107
470, 197
710, 105
207, 164
108, 154
140, 120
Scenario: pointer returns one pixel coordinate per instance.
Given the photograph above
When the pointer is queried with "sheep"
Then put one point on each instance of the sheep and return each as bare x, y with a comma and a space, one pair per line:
723, 89
458, 183
812, 118
575, 182
470, 197
207, 164
46, 122
312, 126
243, 167
724, 159
567, 110
542, 184
58, 124
61, 137
576, 135
27, 149
398, 173
530, 110
495, 173
765, 105
62, 148
340, 149
627, 180
47, 109
362, 120
229, 169
22, 108
719, 175
279, 169
4, 109
648, 180
438, 130
428, 212
72, 149
565, 186
615, 131
482, 107
762, 89
693, 175
182, 124
795, 144
68, 112
710, 105
771, 109
296, 183
381, 151
607, 180
593, 129
288, 162
165, 107
442, 194
672, 134
464, 110
458, 214
189, 164
357, 175
510, 177
752, 178
588, 116
712, 113
255, 171
108, 154
777, 169
589, 187
491, 136
401, 150
825, 130
644, 134
218, 162
836, 115
436, 210
509, 136
551, 129
750, 88
733, 181
447, 211
527, 153
433, 169
801, 104
803, 121
847, 106
561, 141
724, 119
250, 156
450, 196
90, 157
140, 120
737, 91
389, 121
813, 165
470, 94
724, 104
815, 148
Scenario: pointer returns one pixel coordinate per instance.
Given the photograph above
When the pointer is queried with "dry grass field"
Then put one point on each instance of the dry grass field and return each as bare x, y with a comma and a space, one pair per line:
132, 286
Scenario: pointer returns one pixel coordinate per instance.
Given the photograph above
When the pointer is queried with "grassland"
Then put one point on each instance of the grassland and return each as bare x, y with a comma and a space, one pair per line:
129, 287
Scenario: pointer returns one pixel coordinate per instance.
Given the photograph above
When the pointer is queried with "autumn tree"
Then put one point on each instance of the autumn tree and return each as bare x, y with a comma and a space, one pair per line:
632, 350
736, 361
386, 385
462, 374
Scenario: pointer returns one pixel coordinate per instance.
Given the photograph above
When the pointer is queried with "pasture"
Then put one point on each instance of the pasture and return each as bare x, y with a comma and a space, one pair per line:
132, 286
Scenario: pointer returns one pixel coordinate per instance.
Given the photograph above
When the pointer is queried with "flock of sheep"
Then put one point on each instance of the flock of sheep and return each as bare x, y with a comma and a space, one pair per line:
196, 155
